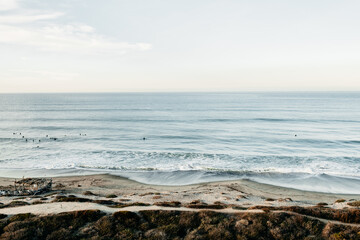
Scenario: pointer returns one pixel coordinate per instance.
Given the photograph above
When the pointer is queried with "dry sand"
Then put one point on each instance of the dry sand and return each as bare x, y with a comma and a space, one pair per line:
241, 193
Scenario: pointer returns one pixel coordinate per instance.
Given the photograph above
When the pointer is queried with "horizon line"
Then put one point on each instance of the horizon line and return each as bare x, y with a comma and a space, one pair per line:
190, 91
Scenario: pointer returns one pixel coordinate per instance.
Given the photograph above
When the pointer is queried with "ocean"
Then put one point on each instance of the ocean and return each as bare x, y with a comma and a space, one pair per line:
308, 141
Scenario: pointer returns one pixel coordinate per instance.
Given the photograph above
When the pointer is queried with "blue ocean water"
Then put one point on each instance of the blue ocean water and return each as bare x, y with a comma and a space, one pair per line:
308, 141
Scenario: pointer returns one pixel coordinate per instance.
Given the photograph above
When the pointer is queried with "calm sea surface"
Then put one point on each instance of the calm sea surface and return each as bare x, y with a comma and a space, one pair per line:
307, 141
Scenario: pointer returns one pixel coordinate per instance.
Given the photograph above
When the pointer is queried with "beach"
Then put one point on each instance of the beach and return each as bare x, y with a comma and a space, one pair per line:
242, 193
110, 194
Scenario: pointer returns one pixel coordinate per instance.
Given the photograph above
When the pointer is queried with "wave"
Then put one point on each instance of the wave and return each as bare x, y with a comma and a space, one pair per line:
316, 142
281, 120
122, 168
345, 164
125, 118
351, 141
226, 157
308, 182
289, 178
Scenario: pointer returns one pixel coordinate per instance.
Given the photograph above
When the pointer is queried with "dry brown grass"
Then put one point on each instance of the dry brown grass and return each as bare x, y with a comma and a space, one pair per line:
184, 225
168, 204
354, 204
89, 193
111, 196
322, 204
123, 205
269, 199
14, 204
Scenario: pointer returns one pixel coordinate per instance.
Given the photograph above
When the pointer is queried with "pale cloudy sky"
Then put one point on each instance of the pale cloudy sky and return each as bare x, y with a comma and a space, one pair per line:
187, 45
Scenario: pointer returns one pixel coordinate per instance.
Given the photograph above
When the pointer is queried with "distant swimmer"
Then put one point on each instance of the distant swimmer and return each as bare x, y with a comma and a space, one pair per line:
20, 133
39, 140
14, 133
47, 135
295, 135
33, 140
23, 136
25, 140
144, 139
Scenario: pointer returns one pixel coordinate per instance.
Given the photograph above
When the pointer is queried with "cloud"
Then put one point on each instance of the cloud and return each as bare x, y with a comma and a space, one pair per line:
14, 19
6, 5
40, 31
55, 75
73, 38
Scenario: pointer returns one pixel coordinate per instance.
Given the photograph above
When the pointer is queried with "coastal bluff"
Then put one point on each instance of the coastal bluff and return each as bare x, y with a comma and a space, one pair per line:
162, 224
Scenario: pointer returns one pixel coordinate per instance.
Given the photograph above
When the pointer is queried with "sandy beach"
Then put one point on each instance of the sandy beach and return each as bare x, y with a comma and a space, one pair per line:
240, 194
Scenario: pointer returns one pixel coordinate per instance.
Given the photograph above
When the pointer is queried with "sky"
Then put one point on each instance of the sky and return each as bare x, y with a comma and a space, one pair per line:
187, 45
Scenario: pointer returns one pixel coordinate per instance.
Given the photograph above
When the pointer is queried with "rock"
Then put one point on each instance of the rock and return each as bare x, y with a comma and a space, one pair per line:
28, 186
